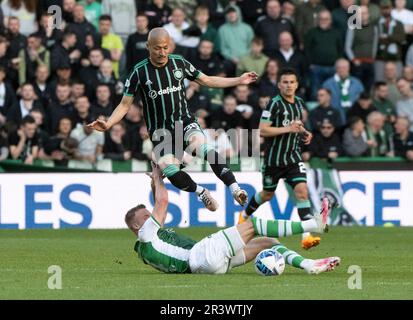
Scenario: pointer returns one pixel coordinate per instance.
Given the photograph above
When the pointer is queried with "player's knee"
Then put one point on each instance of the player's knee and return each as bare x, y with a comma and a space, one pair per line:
301, 192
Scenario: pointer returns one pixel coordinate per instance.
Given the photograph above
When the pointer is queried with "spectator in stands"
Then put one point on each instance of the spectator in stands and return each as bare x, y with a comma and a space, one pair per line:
390, 77
63, 76
375, 132
41, 132
288, 11
64, 127
60, 106
7, 96
80, 26
403, 139
136, 43
383, 105
408, 74
106, 75
355, 143
42, 88
125, 13
306, 18
216, 12
5, 61
361, 48
341, 17
324, 111
362, 107
48, 32
206, 59
117, 145
206, 30
176, 30
142, 146
22, 108
322, 46
90, 142
405, 16
4, 145
217, 138
228, 117
158, 13
82, 111
254, 60
89, 74
68, 7
93, 11
267, 85
391, 38
63, 54
404, 106
251, 10
24, 10
77, 89
245, 95
31, 57
326, 144
374, 10
344, 88
111, 42
409, 56
270, 26
289, 57
103, 105
23, 143
235, 39
17, 41
198, 101
60, 150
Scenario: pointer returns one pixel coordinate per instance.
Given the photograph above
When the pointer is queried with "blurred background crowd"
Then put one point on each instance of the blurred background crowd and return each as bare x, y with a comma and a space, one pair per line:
355, 72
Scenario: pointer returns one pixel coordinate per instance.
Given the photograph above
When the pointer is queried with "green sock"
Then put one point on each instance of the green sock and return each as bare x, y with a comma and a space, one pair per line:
291, 257
276, 228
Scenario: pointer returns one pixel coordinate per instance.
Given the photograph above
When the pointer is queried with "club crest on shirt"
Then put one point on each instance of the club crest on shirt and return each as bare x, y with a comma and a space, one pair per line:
178, 74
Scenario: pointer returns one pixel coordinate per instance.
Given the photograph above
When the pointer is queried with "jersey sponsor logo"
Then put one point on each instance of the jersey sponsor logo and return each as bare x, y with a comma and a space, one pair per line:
153, 94
178, 74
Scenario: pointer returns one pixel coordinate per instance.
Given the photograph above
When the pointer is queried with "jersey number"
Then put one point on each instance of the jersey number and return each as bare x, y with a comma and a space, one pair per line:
301, 165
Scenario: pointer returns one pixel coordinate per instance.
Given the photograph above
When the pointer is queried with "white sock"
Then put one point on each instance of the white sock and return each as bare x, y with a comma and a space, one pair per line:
234, 187
199, 190
310, 225
307, 264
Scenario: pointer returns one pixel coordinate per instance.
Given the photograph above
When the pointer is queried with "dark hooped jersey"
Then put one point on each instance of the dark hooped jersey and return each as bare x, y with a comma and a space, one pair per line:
162, 91
284, 149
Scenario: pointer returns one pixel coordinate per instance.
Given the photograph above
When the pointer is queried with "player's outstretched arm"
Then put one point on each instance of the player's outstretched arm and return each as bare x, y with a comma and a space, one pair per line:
221, 82
117, 115
160, 193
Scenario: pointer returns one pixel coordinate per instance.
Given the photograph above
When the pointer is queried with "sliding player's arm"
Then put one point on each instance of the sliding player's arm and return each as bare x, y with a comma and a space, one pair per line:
160, 194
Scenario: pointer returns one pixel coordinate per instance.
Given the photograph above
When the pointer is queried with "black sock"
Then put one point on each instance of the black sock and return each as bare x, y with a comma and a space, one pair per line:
252, 206
220, 168
183, 181
305, 214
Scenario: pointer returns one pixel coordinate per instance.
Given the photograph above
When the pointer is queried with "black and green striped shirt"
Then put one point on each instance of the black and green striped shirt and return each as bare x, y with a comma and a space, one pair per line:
284, 149
162, 91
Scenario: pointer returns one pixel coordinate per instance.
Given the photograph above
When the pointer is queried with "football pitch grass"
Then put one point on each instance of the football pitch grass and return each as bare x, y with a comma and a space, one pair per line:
101, 264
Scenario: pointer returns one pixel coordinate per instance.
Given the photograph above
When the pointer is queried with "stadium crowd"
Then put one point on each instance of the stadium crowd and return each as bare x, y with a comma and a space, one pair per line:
57, 76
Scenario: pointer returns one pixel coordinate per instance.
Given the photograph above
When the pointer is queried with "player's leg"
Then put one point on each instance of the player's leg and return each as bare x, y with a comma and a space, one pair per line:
310, 266
197, 144
170, 167
296, 177
282, 228
270, 178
